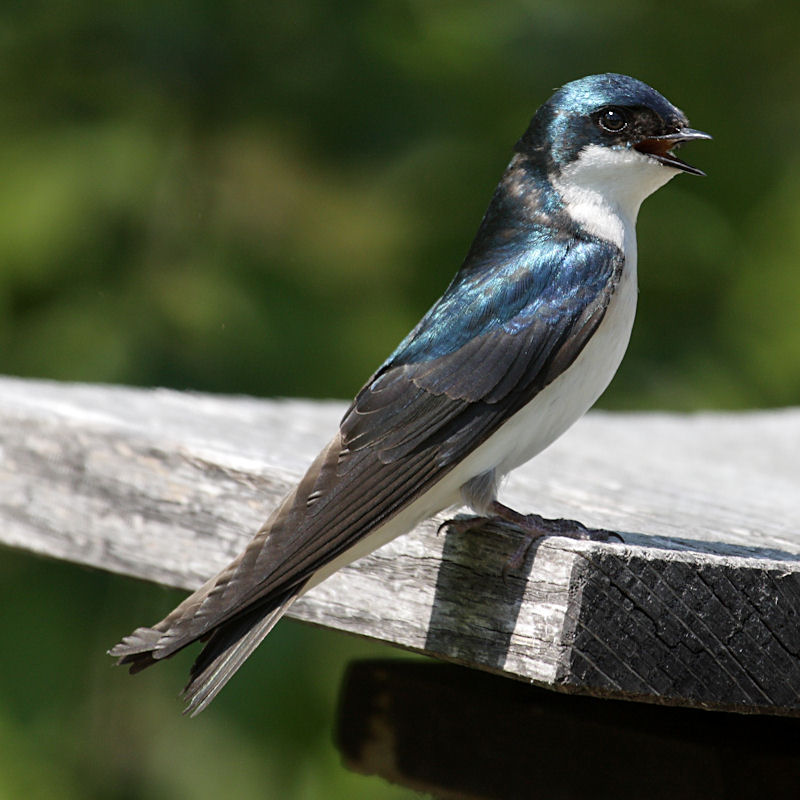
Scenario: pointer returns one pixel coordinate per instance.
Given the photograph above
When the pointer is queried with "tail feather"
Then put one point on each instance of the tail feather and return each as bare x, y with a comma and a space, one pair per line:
234, 610
144, 647
226, 650
137, 649
227, 647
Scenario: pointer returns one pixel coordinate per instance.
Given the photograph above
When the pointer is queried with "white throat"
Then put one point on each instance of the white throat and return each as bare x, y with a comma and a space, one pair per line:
603, 189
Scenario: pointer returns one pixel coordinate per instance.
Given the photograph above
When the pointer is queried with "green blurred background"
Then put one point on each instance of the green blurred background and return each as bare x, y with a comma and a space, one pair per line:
263, 198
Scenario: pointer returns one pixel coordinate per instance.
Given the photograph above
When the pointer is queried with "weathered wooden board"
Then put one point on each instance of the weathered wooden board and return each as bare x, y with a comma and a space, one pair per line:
699, 606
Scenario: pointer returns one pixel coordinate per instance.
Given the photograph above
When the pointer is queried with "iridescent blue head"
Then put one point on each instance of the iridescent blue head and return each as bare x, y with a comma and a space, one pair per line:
607, 111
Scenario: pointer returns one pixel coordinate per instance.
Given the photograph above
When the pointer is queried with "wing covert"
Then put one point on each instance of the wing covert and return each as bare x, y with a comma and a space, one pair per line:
416, 418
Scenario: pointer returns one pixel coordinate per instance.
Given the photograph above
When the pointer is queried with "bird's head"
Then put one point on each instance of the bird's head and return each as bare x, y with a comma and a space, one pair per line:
611, 134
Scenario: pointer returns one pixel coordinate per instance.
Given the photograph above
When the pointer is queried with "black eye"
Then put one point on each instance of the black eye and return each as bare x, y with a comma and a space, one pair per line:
613, 120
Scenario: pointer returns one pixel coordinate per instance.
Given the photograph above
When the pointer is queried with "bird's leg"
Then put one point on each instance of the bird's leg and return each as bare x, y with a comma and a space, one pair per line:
531, 525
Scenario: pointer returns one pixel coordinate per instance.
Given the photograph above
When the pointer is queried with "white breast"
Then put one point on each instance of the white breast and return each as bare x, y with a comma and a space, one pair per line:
602, 190
570, 395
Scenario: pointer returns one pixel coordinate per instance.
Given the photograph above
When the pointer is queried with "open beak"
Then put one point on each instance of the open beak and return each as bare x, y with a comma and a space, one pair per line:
660, 147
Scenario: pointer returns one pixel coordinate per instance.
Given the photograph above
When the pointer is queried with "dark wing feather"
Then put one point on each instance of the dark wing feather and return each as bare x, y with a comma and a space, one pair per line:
493, 341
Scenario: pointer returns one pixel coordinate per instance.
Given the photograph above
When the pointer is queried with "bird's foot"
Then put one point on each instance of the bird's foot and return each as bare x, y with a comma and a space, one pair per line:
531, 525
535, 527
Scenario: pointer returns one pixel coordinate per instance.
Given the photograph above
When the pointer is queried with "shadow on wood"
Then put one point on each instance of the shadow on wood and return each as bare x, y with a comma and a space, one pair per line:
458, 733
466, 605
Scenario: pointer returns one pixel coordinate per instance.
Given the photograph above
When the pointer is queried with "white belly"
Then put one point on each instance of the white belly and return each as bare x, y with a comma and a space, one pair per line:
531, 429
569, 396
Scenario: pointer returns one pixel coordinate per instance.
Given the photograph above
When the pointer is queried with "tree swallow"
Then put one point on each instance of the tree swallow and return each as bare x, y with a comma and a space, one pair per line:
523, 341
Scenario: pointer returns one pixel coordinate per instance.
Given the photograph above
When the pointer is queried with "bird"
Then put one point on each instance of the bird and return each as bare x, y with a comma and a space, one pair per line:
526, 337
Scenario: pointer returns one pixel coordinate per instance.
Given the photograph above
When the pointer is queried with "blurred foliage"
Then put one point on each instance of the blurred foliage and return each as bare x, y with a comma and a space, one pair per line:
264, 198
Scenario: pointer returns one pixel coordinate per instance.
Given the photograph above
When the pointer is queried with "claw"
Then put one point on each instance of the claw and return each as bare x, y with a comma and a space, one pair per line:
463, 524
